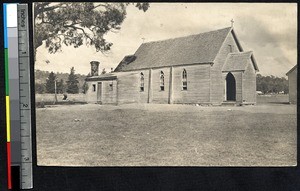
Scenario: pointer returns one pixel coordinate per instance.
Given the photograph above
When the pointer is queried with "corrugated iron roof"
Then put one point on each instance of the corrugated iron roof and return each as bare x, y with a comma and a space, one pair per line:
200, 48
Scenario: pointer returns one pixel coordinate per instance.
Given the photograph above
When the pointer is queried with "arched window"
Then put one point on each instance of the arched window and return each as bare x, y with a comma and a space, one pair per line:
142, 82
162, 81
184, 80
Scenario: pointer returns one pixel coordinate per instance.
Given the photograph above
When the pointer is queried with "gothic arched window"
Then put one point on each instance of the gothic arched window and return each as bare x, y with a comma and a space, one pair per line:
184, 80
162, 81
142, 82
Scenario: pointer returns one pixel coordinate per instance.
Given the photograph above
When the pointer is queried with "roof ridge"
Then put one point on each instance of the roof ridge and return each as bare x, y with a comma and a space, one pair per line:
240, 53
195, 48
151, 42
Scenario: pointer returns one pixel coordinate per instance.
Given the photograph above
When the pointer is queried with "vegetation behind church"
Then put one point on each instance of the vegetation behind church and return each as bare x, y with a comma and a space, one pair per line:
271, 84
41, 85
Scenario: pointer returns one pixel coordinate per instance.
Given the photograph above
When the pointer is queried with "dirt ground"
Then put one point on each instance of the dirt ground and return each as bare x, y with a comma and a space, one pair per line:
166, 135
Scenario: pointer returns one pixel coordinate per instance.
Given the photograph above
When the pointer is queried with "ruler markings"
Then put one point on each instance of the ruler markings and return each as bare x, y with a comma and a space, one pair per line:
25, 115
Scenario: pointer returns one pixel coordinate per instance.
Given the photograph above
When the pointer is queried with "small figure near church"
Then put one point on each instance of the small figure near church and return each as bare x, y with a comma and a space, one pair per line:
65, 96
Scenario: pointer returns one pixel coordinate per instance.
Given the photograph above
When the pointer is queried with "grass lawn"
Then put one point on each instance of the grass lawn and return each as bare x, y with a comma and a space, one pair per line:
166, 135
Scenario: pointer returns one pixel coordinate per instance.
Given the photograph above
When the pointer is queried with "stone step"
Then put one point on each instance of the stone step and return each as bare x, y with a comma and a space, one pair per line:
229, 103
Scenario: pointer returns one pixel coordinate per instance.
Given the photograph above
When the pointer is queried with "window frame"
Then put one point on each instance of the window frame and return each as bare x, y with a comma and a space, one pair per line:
184, 80
162, 81
142, 82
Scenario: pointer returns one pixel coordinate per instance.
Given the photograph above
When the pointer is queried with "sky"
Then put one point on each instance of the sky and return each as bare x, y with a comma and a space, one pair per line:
268, 29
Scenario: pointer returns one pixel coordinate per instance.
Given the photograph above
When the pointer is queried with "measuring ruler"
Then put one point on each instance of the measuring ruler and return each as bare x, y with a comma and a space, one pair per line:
26, 177
17, 91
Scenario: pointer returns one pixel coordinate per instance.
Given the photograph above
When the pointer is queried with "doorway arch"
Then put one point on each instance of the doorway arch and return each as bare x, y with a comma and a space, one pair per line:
230, 87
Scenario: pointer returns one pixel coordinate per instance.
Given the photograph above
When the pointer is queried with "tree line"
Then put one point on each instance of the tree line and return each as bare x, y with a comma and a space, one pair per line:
71, 85
271, 84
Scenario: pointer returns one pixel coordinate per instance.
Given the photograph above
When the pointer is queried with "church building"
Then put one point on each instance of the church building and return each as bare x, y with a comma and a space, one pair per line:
206, 68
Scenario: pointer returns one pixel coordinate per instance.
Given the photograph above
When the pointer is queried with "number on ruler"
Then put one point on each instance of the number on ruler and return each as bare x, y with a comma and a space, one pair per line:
24, 105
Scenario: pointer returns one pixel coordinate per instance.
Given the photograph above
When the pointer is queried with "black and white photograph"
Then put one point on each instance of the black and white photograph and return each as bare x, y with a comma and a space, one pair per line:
165, 84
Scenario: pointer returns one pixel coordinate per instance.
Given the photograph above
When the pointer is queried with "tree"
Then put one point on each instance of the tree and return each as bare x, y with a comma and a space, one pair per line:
271, 84
85, 87
72, 83
40, 88
50, 83
60, 87
75, 24
103, 71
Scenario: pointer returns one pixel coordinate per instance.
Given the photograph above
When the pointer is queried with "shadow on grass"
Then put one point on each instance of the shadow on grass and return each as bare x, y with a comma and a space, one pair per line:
43, 104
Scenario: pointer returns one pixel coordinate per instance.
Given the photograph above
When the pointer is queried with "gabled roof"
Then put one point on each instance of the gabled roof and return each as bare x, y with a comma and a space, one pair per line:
201, 48
238, 61
291, 70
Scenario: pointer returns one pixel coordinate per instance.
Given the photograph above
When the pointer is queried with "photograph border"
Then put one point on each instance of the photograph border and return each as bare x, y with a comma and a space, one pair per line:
143, 178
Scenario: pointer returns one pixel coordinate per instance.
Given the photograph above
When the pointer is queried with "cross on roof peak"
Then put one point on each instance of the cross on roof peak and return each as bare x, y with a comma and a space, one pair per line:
232, 21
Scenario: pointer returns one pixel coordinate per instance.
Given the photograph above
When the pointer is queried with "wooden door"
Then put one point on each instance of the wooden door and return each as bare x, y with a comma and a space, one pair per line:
230, 88
99, 93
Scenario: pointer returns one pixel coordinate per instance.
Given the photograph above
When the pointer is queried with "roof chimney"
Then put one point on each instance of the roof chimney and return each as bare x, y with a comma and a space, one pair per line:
94, 68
